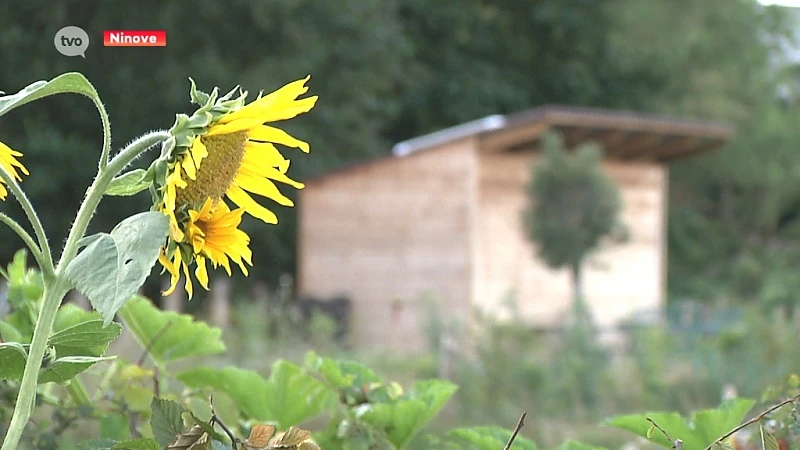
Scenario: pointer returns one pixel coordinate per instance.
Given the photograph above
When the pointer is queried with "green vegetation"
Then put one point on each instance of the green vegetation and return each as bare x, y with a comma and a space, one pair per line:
181, 385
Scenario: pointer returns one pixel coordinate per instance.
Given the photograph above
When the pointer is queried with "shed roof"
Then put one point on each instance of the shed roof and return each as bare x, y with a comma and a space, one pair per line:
623, 134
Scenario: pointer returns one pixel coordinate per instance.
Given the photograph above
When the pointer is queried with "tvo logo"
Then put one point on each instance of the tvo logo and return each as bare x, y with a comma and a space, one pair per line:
71, 41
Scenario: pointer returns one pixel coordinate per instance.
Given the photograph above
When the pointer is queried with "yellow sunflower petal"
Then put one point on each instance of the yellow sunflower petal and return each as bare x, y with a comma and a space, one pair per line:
243, 200
234, 126
9, 162
198, 151
188, 285
289, 111
264, 154
283, 96
173, 268
263, 187
3, 192
267, 133
201, 273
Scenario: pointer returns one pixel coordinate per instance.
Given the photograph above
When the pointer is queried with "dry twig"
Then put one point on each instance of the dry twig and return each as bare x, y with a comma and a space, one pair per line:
519, 426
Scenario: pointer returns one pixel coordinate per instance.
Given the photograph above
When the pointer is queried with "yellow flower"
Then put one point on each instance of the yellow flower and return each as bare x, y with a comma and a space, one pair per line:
213, 234
231, 155
9, 163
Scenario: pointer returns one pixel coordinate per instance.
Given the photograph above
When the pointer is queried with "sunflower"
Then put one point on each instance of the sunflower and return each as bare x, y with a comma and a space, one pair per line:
9, 163
225, 151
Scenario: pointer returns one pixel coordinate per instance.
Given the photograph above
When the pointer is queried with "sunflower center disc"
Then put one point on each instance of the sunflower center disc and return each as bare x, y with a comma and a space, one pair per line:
217, 170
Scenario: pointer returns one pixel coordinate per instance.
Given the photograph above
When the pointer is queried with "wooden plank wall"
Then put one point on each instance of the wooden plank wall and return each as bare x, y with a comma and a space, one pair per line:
387, 235
619, 279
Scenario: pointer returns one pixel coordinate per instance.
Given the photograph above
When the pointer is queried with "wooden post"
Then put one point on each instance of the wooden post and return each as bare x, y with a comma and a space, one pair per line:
174, 301
220, 301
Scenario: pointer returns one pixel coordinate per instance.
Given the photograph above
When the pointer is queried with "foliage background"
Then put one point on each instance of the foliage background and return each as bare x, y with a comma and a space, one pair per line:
388, 70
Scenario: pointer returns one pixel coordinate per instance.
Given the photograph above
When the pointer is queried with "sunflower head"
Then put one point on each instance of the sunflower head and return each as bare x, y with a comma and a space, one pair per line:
225, 151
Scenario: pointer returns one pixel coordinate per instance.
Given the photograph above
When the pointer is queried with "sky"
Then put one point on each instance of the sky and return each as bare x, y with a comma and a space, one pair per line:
793, 3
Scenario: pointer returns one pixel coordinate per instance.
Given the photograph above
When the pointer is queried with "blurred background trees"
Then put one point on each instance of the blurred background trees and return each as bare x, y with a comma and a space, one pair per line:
391, 70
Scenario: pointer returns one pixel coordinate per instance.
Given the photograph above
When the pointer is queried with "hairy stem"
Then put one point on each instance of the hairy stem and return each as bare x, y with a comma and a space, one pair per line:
106, 132
29, 242
57, 287
33, 218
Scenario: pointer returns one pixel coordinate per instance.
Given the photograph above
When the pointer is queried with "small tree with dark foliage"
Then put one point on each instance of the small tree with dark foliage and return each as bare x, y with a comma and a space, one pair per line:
572, 206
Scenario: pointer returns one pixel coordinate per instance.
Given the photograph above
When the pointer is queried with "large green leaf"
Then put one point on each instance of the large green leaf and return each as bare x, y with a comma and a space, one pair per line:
66, 83
12, 360
113, 266
69, 315
486, 438
165, 420
130, 183
341, 374
288, 397
697, 432
65, 369
84, 339
406, 416
9, 333
295, 396
246, 388
97, 444
168, 335
138, 444
12, 364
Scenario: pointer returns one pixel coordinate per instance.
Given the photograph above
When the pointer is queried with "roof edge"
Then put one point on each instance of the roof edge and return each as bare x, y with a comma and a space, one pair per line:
475, 127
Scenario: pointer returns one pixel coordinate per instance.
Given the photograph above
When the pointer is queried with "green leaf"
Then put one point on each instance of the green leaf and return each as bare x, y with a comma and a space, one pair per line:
294, 396
487, 438
768, 441
12, 360
8, 333
69, 315
113, 267
114, 426
130, 183
65, 369
97, 444
138, 444
408, 415
697, 432
169, 335
246, 388
673, 423
288, 397
712, 423
66, 83
84, 339
165, 420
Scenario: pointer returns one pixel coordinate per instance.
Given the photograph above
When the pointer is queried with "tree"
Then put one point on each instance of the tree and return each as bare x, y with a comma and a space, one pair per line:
572, 206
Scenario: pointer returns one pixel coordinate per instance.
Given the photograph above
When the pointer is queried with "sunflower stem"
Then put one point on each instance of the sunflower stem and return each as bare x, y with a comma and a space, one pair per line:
54, 291
47, 258
57, 286
29, 242
106, 132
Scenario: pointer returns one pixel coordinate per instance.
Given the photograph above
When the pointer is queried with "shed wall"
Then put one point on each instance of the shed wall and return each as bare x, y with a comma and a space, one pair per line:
620, 279
388, 236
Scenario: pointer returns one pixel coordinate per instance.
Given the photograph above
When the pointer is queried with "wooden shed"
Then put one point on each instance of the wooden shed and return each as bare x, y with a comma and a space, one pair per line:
440, 219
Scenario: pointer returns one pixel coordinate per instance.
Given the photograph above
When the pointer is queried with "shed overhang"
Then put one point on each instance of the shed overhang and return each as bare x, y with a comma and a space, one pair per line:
623, 135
